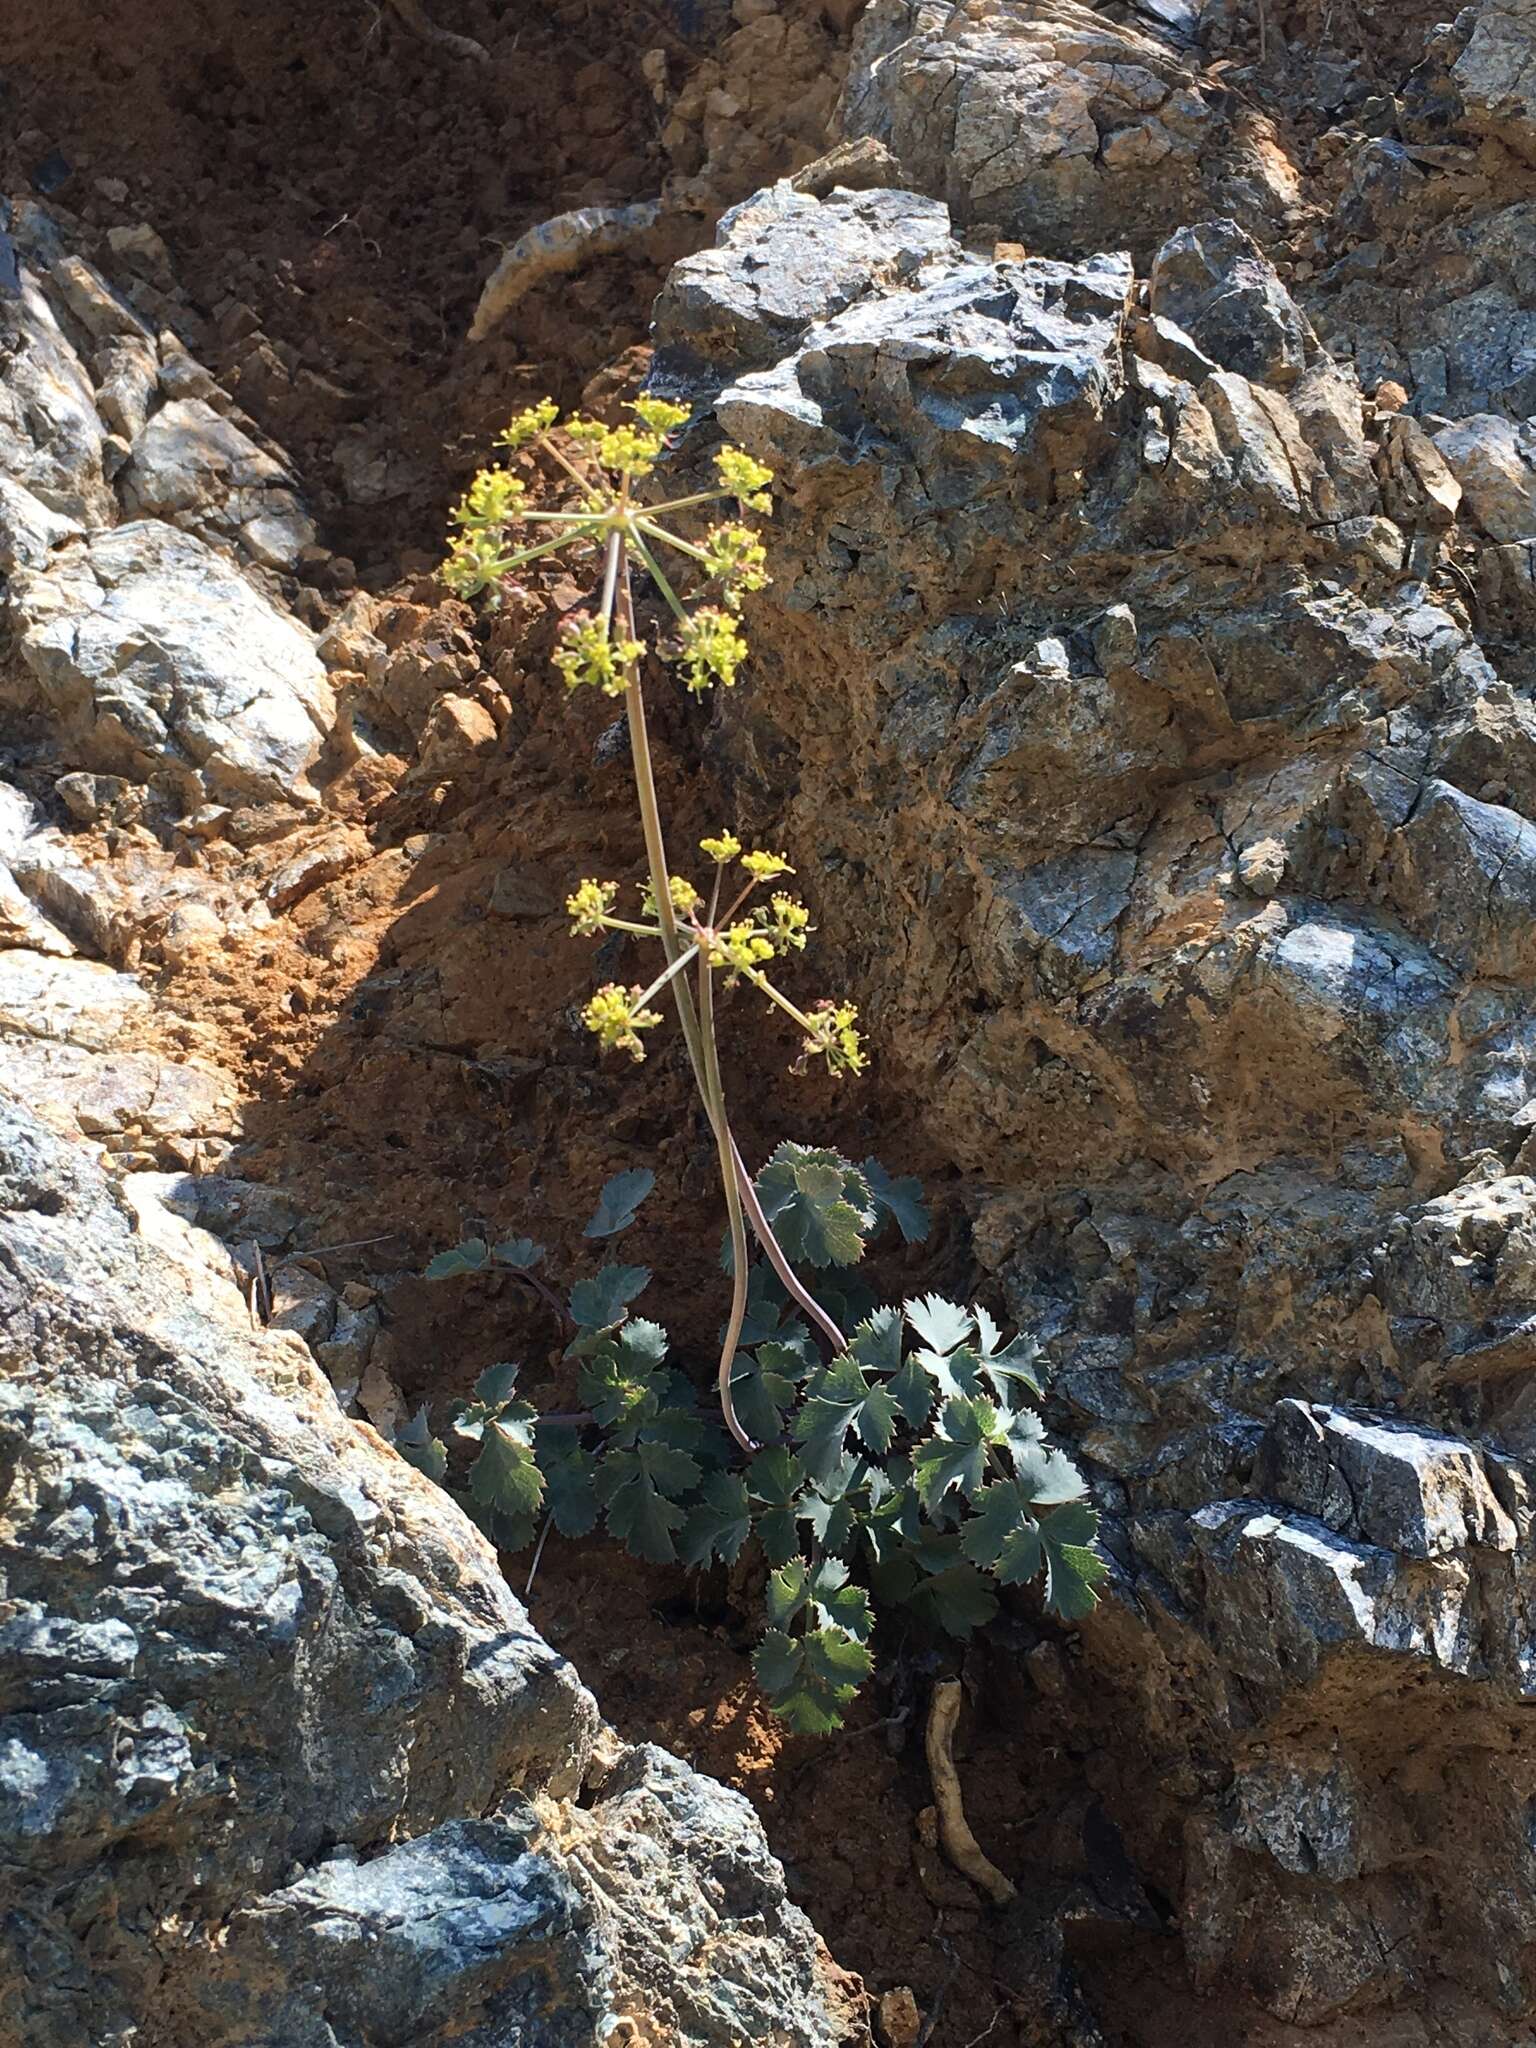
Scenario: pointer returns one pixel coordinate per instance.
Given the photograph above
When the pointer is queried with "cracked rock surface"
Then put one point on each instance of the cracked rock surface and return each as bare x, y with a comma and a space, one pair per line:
1153, 709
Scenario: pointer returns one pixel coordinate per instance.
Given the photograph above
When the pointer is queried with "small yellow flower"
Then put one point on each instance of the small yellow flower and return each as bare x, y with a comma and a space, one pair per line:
493, 499
736, 559
584, 431
591, 654
589, 906
745, 477
765, 867
614, 1019
725, 848
713, 648
835, 1038
743, 946
685, 898
527, 426
659, 414
473, 563
791, 922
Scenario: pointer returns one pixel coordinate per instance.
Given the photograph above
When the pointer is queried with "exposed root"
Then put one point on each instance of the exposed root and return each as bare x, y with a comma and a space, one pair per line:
414, 16
955, 1837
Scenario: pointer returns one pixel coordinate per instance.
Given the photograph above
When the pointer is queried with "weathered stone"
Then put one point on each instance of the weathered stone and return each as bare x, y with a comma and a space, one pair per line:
202, 473
1492, 73
1062, 127
158, 659
204, 1831
1495, 463
1212, 283
729, 303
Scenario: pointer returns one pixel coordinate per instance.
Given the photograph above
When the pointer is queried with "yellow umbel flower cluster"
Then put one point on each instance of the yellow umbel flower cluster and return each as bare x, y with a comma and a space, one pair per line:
591, 653
617, 1017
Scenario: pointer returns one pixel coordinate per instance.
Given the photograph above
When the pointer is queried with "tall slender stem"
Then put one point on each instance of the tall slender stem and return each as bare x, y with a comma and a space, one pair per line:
728, 1182
735, 1181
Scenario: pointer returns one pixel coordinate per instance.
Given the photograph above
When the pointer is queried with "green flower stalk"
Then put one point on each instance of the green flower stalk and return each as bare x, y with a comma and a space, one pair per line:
703, 934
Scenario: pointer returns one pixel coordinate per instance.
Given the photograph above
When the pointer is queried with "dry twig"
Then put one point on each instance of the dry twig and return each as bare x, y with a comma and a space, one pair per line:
959, 1844
412, 13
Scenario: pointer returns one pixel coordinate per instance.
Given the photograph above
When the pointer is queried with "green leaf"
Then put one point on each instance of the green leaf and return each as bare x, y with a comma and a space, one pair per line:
598, 1303
569, 1491
1016, 1544
788, 1591
837, 1604
763, 1388
419, 1447
638, 1488
1014, 1363
957, 1456
840, 1399
774, 1477
506, 1476
832, 1521
470, 1256
642, 1343
912, 1391
836, 1659
957, 1600
495, 1385
938, 1323
1074, 1571
520, 1253
803, 1698
777, 1662
767, 1305
876, 1343
720, 1523
619, 1202
902, 1200
818, 1204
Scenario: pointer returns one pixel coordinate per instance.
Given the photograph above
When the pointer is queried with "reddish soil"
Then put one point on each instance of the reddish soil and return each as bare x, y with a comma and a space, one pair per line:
327, 181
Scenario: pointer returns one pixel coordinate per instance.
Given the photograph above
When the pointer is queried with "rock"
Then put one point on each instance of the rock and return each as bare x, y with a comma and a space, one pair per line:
158, 660
1494, 461
77, 1002
518, 895
50, 436
1491, 74
555, 248
1066, 129
1173, 819
217, 1842
311, 870
202, 473
1215, 286
731, 303
302, 1302
103, 312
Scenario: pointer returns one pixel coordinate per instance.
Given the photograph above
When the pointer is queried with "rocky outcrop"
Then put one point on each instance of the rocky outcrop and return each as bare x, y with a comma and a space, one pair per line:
1170, 804
1055, 124
281, 1758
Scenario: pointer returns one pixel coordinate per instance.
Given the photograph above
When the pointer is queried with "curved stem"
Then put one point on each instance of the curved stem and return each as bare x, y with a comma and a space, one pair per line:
736, 1182
727, 1148
763, 1230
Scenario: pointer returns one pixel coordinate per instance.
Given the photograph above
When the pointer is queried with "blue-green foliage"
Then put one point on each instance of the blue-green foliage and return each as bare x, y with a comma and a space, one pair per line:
912, 1470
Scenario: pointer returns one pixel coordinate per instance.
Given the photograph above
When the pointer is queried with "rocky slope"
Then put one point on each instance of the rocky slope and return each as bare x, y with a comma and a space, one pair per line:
281, 1757
1147, 673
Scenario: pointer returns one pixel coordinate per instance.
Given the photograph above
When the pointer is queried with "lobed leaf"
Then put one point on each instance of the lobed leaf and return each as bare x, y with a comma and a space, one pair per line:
520, 1253
469, 1256
619, 1202
599, 1303
901, 1200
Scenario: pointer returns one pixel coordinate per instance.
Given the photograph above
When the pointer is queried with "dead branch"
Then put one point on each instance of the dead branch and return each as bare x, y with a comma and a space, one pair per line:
414, 16
959, 1844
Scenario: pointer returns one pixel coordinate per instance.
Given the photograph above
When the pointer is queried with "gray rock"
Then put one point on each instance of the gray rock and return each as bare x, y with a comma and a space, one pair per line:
741, 305
1492, 73
1212, 282
202, 473
157, 659
271, 1722
50, 436
1494, 461
1054, 123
